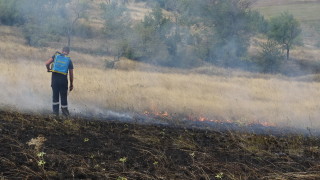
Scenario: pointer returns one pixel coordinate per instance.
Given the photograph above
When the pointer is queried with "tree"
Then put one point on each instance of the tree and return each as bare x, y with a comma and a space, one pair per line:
9, 12
43, 20
153, 33
117, 26
285, 29
116, 20
49, 20
75, 10
270, 57
231, 27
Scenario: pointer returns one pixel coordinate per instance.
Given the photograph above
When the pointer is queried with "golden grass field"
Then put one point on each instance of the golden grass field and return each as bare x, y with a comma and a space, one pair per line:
228, 95
303, 10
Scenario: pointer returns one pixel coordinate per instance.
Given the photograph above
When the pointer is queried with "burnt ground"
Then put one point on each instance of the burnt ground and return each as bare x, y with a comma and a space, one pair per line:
44, 147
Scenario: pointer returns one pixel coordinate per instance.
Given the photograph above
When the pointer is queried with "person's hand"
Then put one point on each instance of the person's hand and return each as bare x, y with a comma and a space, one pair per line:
49, 70
71, 88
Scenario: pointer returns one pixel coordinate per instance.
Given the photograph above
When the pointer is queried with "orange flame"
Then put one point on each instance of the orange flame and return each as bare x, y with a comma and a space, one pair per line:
157, 114
165, 114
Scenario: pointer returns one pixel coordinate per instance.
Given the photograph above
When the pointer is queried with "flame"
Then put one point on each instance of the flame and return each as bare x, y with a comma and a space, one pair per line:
165, 114
202, 119
157, 114
267, 124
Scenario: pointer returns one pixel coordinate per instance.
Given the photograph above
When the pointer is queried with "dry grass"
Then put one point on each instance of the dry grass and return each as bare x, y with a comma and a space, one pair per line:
222, 94
138, 10
97, 90
263, 3
305, 11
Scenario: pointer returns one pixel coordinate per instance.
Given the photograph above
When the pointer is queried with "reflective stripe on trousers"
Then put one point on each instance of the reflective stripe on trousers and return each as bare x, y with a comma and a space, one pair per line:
59, 93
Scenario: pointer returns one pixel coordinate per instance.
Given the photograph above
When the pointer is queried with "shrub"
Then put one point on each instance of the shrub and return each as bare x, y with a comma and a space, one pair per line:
271, 56
9, 12
116, 20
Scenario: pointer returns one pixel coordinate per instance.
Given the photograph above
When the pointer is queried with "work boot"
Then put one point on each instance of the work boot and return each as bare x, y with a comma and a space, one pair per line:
55, 109
65, 112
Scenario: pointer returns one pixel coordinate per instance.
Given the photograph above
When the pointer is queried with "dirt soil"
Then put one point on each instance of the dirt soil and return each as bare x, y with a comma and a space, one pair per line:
44, 147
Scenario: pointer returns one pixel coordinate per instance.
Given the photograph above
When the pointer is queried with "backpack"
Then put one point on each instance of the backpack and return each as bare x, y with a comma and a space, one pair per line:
61, 64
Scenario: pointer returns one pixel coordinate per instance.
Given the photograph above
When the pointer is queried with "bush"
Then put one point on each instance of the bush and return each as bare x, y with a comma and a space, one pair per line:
116, 19
83, 30
231, 25
154, 40
9, 12
271, 56
40, 34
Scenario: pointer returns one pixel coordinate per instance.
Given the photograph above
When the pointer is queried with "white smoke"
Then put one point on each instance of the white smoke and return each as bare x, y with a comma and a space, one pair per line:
24, 94
21, 95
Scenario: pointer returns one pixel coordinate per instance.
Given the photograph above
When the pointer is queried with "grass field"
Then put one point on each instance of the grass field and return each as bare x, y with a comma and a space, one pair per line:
243, 139
211, 92
302, 10
305, 11
226, 95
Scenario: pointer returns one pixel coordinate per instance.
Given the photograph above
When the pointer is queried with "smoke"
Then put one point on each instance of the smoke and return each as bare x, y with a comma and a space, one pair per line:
21, 95
25, 96
29, 91
187, 36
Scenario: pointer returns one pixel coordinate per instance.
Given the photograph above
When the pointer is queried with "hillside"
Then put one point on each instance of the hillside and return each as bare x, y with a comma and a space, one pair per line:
206, 92
303, 10
43, 147
304, 56
306, 11
139, 120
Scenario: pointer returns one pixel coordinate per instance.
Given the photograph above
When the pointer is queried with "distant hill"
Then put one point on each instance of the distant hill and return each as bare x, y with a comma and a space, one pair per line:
304, 11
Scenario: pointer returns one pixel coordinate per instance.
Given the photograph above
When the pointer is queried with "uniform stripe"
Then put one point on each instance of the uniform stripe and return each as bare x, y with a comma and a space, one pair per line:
59, 72
55, 103
64, 106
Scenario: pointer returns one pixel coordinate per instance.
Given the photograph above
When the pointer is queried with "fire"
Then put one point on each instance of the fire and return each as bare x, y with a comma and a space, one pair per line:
205, 119
202, 119
268, 124
157, 114
166, 115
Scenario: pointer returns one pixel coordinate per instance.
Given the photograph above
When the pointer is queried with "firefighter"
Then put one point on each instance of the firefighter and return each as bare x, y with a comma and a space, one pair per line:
60, 65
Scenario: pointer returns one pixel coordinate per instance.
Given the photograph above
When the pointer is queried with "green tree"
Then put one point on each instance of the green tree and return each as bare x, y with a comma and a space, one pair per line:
74, 11
231, 24
271, 56
153, 36
285, 29
9, 12
45, 20
157, 22
49, 20
117, 28
116, 20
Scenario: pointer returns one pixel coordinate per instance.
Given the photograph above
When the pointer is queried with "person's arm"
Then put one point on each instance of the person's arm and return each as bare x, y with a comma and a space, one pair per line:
71, 79
48, 64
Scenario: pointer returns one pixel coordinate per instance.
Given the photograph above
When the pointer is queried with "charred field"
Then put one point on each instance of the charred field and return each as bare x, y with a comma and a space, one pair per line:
44, 147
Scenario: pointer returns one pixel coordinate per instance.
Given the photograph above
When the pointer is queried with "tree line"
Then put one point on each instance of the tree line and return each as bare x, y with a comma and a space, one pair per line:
214, 31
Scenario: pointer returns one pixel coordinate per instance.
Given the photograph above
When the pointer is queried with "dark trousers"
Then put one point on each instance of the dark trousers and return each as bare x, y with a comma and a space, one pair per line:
59, 91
